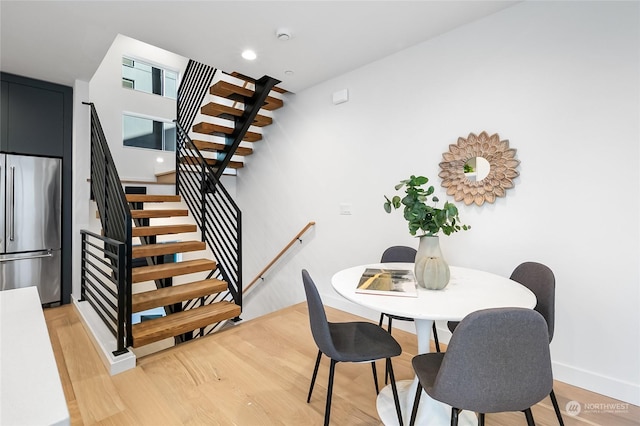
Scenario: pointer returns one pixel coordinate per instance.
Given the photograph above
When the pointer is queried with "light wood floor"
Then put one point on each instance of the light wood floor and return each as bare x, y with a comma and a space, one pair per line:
255, 373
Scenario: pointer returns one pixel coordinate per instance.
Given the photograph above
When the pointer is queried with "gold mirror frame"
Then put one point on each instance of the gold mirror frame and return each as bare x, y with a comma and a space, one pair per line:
502, 168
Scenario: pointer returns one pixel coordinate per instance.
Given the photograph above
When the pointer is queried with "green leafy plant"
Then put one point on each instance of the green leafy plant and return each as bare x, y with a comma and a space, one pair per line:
421, 216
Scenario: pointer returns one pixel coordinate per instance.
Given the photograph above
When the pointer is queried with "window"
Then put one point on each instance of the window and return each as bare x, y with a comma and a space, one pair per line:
146, 133
147, 78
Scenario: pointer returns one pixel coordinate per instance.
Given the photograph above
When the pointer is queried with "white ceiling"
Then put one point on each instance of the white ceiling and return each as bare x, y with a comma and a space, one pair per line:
61, 41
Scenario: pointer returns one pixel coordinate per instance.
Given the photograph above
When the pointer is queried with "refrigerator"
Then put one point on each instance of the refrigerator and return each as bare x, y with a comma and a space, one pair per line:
31, 225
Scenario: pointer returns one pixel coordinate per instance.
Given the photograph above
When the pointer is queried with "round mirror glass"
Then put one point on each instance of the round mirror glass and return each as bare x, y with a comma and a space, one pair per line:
476, 169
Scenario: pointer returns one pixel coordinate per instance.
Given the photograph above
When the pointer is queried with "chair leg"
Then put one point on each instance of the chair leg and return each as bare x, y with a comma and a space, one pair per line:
394, 388
454, 416
327, 410
416, 402
529, 415
313, 378
556, 408
375, 376
480, 419
435, 337
386, 370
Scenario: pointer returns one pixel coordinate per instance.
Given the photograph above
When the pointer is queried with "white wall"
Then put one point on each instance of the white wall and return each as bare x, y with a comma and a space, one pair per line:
112, 100
81, 171
560, 81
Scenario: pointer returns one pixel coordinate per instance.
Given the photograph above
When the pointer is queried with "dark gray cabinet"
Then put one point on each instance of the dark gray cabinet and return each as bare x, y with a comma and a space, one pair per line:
35, 122
4, 103
33, 117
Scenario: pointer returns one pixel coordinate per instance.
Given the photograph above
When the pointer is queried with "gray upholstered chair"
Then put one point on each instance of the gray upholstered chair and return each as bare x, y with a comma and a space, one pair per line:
540, 280
347, 342
497, 360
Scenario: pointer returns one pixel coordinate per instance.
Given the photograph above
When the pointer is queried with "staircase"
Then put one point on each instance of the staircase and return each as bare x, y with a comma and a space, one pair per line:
215, 134
174, 298
233, 110
219, 115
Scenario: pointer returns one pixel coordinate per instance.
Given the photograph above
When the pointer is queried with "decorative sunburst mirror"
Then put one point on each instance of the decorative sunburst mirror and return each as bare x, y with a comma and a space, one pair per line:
479, 168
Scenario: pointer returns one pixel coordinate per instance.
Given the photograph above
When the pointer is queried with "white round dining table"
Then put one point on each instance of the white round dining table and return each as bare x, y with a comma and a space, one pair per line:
469, 290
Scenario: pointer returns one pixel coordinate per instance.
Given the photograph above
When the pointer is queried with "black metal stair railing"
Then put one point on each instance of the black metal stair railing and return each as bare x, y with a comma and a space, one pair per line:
216, 213
194, 85
103, 278
110, 297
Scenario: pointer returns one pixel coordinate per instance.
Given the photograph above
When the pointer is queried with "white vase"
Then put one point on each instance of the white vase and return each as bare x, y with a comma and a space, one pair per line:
432, 272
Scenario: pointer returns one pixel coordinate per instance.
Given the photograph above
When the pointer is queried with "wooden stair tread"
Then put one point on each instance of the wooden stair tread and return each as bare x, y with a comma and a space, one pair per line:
219, 147
175, 294
211, 129
168, 177
235, 165
226, 89
215, 110
212, 162
272, 103
181, 322
146, 231
149, 250
148, 198
148, 214
166, 270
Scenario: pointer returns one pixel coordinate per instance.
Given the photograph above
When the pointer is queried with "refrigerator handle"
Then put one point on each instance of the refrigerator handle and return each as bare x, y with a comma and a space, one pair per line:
12, 207
11, 259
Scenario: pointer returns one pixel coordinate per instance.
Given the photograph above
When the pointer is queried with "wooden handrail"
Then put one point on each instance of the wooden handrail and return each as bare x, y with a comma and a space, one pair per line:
282, 252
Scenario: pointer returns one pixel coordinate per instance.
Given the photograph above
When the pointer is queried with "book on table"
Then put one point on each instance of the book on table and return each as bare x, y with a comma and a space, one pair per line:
388, 282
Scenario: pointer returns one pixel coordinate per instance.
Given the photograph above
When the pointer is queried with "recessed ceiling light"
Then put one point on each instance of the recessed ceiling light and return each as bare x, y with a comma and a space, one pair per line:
288, 72
249, 55
160, 160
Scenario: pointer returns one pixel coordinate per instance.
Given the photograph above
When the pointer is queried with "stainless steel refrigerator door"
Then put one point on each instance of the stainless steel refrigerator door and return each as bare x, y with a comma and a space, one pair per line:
2, 200
33, 203
40, 269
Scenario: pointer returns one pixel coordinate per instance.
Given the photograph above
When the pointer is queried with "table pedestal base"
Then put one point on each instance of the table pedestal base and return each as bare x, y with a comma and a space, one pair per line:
430, 411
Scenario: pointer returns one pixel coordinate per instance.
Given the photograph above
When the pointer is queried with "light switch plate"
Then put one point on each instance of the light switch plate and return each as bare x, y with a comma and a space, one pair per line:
346, 209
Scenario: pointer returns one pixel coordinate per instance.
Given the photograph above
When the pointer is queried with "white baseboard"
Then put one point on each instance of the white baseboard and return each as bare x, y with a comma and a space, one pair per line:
103, 340
593, 382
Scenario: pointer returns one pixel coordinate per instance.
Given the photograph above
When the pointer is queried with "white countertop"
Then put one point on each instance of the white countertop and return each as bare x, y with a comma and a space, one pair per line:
30, 388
